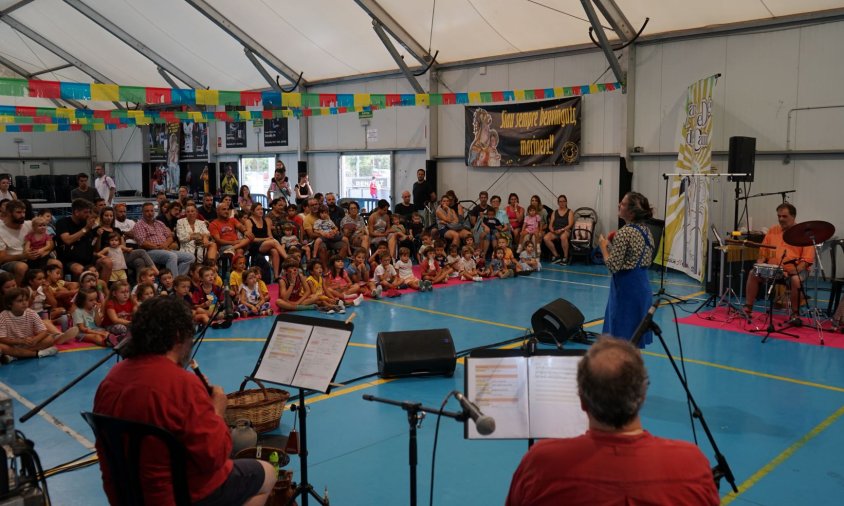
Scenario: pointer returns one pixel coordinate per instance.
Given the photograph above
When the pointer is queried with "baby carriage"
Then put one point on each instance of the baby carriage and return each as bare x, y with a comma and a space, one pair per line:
583, 233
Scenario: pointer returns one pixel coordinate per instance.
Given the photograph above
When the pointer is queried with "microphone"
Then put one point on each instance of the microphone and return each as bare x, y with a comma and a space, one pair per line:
484, 424
644, 325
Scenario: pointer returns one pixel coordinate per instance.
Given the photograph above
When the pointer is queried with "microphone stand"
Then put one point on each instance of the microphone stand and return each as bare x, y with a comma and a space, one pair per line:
722, 468
415, 414
34, 411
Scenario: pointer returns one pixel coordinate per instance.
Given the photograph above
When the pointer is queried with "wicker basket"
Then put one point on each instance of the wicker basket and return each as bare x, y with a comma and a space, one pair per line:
263, 407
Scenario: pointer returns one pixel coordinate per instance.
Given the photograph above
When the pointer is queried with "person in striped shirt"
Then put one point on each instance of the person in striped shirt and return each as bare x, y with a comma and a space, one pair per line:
23, 333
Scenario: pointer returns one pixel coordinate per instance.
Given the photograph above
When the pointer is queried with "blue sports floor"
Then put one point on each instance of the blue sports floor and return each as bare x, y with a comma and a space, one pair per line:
775, 409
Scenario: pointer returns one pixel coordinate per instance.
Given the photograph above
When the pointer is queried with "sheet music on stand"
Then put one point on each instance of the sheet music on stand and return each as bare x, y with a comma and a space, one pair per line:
303, 352
528, 396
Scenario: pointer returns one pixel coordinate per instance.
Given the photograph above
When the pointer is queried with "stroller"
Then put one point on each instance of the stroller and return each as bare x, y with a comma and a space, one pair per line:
583, 233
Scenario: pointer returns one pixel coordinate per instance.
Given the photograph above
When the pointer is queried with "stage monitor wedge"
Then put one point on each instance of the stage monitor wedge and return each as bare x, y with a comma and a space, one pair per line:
742, 158
557, 322
415, 353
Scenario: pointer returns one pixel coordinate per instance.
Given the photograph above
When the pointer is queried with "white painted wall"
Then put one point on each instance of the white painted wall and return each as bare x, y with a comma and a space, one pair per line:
764, 75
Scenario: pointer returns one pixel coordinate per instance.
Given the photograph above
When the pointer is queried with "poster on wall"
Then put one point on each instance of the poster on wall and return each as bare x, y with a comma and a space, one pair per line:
157, 141
194, 140
236, 134
275, 132
524, 135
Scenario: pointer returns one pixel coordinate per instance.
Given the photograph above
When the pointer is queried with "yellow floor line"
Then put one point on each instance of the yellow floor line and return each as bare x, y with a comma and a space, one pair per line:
782, 457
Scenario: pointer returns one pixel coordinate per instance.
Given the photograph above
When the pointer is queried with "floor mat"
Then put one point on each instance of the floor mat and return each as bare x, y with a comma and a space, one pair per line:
721, 318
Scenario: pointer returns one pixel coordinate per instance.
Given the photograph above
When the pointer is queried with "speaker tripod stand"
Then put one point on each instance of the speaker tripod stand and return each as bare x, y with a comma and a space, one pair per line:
726, 296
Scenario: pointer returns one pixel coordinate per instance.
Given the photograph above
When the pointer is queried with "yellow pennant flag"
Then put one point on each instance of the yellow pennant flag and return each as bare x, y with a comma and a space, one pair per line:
105, 92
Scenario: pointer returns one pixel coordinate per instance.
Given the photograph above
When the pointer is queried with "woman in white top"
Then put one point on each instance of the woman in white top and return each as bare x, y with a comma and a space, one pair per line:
194, 237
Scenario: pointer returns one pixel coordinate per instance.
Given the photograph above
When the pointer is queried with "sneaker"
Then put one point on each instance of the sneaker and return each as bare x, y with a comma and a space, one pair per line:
340, 309
357, 300
377, 292
6, 359
48, 352
565, 261
477, 278
341, 304
555, 259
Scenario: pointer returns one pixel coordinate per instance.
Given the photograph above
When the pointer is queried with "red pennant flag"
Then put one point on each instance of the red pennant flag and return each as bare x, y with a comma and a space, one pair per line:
498, 96
45, 89
539, 93
102, 114
449, 98
267, 114
392, 99
327, 99
75, 127
158, 96
250, 98
24, 111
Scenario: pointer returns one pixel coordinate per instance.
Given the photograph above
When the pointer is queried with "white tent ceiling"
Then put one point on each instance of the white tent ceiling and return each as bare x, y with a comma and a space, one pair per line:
326, 39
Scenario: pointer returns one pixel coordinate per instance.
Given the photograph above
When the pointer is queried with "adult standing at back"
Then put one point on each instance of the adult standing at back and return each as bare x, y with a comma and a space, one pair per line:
617, 462
5, 192
156, 238
105, 185
422, 190
280, 185
628, 261
84, 190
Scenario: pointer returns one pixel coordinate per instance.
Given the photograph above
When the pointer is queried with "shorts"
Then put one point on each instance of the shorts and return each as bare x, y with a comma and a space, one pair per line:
243, 482
118, 275
10, 266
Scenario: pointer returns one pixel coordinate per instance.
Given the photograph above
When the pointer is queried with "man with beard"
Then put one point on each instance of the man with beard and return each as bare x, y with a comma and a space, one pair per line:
422, 189
152, 386
75, 239
13, 229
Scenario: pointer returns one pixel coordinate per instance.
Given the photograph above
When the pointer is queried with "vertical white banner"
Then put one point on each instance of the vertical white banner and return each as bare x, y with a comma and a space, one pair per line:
687, 218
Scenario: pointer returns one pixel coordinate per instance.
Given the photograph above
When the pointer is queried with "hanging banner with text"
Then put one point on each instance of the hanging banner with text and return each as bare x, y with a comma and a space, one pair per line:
524, 135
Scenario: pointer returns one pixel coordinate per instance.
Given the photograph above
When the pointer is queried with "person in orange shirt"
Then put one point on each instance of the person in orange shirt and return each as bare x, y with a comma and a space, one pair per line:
795, 261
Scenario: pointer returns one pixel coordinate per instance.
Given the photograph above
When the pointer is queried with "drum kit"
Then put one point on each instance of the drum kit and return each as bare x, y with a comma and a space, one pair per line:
809, 233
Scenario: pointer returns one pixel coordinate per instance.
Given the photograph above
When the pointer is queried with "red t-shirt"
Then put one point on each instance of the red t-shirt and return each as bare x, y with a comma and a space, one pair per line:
600, 468
224, 229
124, 311
155, 390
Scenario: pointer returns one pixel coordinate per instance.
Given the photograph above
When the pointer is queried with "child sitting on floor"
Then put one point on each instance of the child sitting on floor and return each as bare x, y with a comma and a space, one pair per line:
118, 311
386, 278
181, 289
293, 291
466, 265
404, 269
339, 281
251, 301
88, 316
23, 334
326, 298
359, 272
498, 266
432, 273
452, 261
527, 259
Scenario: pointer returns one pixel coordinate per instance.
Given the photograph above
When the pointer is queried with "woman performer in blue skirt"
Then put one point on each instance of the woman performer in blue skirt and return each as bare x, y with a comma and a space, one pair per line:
628, 257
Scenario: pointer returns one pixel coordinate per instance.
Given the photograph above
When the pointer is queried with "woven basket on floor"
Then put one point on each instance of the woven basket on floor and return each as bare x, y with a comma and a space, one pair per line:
263, 407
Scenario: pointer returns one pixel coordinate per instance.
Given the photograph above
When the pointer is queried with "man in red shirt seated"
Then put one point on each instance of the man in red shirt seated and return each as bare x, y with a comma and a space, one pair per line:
153, 387
616, 462
224, 232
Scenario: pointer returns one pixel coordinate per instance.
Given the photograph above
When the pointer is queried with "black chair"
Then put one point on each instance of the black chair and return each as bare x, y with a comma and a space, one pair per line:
121, 441
837, 278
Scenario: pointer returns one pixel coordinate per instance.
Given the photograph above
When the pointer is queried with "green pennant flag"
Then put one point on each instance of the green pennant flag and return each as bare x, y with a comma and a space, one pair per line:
310, 100
229, 97
529, 95
486, 97
378, 100
13, 87
435, 99
137, 94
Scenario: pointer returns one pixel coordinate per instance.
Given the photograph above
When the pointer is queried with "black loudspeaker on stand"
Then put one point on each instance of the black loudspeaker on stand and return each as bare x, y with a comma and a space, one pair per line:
302, 166
742, 159
415, 353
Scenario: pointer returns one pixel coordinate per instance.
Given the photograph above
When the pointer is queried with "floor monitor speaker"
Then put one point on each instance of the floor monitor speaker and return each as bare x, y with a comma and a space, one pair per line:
415, 353
557, 322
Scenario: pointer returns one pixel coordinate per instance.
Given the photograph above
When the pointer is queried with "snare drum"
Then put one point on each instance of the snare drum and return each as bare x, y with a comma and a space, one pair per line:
768, 272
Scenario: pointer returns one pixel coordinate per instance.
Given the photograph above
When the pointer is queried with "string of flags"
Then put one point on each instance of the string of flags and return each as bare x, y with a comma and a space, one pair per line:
295, 105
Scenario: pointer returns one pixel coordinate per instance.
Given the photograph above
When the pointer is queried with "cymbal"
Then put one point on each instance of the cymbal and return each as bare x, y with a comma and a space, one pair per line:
802, 234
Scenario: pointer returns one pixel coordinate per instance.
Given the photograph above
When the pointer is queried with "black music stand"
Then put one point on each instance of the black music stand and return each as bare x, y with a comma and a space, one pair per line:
303, 352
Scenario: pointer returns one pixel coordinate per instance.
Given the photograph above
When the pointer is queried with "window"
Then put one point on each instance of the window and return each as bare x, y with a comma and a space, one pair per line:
367, 178
256, 173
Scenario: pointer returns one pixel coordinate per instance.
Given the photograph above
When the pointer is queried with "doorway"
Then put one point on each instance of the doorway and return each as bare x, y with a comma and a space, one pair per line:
256, 173
366, 178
